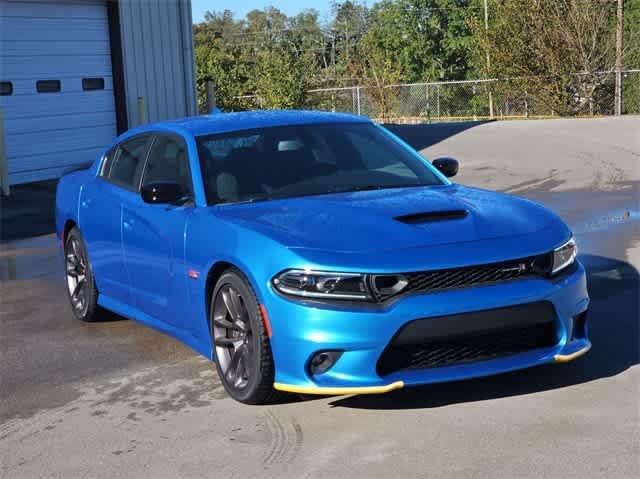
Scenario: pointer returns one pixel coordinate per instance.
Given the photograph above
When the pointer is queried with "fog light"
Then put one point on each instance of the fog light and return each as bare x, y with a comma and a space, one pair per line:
579, 326
323, 361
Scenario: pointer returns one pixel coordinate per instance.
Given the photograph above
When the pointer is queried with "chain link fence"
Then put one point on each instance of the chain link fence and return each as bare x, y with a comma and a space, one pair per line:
470, 100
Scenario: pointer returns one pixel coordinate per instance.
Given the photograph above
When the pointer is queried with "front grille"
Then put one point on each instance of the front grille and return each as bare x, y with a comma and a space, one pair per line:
470, 337
446, 279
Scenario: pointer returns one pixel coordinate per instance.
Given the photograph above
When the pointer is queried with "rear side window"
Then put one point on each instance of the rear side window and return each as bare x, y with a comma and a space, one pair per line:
128, 162
107, 163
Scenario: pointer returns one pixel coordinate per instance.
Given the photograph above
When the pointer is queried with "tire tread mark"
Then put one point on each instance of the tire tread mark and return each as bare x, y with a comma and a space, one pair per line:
284, 443
276, 438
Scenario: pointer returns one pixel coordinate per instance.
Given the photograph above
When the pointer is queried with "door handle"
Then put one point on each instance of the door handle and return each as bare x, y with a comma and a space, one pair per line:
128, 224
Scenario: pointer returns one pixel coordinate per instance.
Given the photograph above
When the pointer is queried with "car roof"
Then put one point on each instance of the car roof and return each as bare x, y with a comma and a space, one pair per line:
246, 120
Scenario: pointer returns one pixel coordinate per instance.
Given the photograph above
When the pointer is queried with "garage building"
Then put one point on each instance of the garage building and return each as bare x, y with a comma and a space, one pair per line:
74, 74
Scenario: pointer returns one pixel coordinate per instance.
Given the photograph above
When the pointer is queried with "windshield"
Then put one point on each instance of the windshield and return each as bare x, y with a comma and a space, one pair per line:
303, 160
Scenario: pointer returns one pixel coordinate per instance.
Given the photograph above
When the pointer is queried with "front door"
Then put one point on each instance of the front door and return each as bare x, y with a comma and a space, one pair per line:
153, 235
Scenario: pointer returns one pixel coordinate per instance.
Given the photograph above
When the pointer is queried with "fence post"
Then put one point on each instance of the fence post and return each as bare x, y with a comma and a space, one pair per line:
428, 106
526, 105
490, 102
4, 160
473, 103
142, 117
358, 98
438, 103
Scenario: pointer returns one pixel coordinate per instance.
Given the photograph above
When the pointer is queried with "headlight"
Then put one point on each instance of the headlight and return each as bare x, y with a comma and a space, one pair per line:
321, 284
330, 285
564, 256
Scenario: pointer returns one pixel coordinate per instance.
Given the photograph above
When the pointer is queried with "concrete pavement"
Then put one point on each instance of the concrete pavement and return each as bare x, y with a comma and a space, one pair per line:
116, 399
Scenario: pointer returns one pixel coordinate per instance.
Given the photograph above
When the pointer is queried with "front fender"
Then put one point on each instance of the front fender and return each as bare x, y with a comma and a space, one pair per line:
210, 240
67, 199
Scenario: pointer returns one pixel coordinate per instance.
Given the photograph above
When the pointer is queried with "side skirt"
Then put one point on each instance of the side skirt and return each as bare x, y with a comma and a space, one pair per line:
199, 346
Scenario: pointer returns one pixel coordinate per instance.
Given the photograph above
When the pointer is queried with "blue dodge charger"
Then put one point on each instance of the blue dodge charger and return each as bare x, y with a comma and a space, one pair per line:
317, 253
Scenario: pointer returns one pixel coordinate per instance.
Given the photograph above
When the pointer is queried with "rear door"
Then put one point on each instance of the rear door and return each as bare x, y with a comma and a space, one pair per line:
101, 215
154, 234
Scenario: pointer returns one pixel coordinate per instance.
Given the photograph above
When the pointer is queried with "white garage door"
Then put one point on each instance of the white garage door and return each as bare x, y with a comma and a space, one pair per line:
56, 89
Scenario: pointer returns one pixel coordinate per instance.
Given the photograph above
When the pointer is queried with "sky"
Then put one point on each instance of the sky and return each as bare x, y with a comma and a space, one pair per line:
241, 7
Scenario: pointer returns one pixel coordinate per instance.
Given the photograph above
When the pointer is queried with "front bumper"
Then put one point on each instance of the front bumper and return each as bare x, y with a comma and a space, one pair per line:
363, 332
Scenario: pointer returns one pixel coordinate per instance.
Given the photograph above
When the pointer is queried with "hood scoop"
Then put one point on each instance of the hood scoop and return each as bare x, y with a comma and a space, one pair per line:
430, 216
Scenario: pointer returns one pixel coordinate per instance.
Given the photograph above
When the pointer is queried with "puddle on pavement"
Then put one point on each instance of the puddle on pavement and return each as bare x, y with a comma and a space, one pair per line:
26, 267
32, 258
609, 219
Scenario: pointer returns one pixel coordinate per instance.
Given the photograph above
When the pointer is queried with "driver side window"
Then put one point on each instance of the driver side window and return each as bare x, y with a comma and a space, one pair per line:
168, 163
124, 168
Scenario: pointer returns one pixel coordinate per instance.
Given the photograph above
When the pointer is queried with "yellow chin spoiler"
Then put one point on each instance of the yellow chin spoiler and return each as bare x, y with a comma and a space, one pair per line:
338, 391
565, 358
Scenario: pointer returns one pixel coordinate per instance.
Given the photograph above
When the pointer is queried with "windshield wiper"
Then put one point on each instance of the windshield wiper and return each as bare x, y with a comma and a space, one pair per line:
253, 199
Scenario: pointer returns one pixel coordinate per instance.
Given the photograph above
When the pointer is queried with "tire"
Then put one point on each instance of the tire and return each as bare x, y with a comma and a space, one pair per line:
81, 285
240, 341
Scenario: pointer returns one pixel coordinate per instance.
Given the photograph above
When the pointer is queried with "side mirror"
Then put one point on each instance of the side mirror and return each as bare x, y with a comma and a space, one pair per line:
162, 192
447, 166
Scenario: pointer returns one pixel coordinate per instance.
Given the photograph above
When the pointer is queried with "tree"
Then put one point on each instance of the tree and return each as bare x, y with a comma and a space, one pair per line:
285, 61
267, 56
631, 57
631, 36
218, 57
282, 77
430, 38
560, 51
345, 32
378, 70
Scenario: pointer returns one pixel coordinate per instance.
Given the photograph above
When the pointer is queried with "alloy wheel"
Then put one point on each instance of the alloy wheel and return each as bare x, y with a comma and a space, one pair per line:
232, 337
77, 274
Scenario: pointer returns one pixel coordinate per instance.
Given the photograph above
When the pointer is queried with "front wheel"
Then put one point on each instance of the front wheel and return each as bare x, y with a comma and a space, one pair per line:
240, 341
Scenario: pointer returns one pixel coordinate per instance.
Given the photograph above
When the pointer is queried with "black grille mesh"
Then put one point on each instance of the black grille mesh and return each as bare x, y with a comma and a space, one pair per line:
466, 348
440, 280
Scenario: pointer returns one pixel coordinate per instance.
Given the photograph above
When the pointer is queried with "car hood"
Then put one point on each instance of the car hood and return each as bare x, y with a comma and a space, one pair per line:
391, 219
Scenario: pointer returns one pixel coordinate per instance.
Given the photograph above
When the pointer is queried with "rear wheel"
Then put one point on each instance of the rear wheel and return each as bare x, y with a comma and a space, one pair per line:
81, 286
242, 349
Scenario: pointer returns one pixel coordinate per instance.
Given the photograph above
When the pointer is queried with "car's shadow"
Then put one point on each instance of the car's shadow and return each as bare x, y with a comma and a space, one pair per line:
424, 135
613, 328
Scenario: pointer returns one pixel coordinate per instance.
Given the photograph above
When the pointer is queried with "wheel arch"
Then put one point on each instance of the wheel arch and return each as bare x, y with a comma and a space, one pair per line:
213, 275
215, 272
68, 226
217, 269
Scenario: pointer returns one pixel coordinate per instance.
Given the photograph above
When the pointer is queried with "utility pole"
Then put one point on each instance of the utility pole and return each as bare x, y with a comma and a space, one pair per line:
486, 27
333, 50
210, 90
618, 87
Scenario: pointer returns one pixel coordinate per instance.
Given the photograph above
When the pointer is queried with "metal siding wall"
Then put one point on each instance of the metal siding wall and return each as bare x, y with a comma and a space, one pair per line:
157, 49
189, 54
